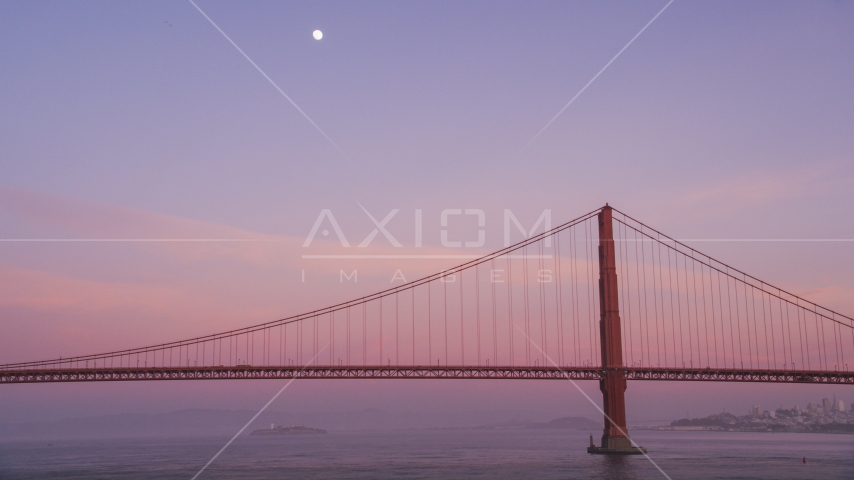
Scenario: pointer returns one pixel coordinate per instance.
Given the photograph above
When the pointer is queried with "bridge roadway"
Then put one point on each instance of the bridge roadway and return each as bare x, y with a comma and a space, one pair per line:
247, 372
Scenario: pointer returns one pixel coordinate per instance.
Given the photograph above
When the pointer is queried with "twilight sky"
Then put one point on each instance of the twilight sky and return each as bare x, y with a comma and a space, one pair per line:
723, 120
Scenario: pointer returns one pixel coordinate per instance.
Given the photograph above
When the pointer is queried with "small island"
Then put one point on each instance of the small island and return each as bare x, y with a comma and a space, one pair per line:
288, 430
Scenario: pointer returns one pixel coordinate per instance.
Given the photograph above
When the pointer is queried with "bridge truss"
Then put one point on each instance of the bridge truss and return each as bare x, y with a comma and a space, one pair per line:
446, 372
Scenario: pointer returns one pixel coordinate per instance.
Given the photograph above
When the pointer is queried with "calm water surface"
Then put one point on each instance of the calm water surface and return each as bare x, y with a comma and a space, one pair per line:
435, 454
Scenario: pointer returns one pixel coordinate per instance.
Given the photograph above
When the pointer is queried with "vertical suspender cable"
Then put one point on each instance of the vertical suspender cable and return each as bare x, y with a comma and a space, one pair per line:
822, 346
558, 297
721, 310
364, 333
738, 321
755, 334
789, 328
412, 291
527, 329
661, 295
688, 310
462, 325
696, 312
494, 320
348, 335
652, 246
429, 324
477, 306
594, 292
396, 330
591, 320
542, 299
773, 338
705, 315
646, 321
576, 332
673, 315
445, 298
510, 307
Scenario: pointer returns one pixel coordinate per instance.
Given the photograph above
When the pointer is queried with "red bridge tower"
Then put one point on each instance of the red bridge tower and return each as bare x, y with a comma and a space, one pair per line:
615, 438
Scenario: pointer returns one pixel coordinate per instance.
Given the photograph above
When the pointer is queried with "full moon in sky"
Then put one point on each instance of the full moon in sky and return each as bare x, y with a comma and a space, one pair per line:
317, 34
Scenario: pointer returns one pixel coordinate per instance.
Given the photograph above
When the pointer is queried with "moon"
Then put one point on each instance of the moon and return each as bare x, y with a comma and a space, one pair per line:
317, 34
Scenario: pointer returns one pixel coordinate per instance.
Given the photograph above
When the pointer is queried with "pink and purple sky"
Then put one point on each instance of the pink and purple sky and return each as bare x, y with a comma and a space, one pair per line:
723, 120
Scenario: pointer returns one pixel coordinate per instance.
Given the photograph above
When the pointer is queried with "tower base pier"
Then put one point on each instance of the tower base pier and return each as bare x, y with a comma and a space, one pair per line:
615, 446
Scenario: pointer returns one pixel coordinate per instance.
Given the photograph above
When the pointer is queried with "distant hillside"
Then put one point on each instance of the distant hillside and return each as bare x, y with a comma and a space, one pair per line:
572, 423
565, 423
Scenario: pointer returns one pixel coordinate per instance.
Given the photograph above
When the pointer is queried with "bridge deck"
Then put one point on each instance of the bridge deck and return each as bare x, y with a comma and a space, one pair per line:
418, 372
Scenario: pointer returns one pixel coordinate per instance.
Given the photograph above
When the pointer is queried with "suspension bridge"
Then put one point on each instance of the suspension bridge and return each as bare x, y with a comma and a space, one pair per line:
602, 297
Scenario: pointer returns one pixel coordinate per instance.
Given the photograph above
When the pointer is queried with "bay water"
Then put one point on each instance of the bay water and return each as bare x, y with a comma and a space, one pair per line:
434, 454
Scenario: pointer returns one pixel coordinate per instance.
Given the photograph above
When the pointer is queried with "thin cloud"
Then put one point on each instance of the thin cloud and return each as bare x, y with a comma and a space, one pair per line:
762, 188
190, 239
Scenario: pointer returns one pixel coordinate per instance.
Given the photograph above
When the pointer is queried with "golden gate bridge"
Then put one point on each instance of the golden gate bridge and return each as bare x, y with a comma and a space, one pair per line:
602, 297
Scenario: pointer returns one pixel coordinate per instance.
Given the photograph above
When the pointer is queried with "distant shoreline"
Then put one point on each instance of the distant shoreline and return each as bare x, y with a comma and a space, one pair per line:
737, 430
289, 430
